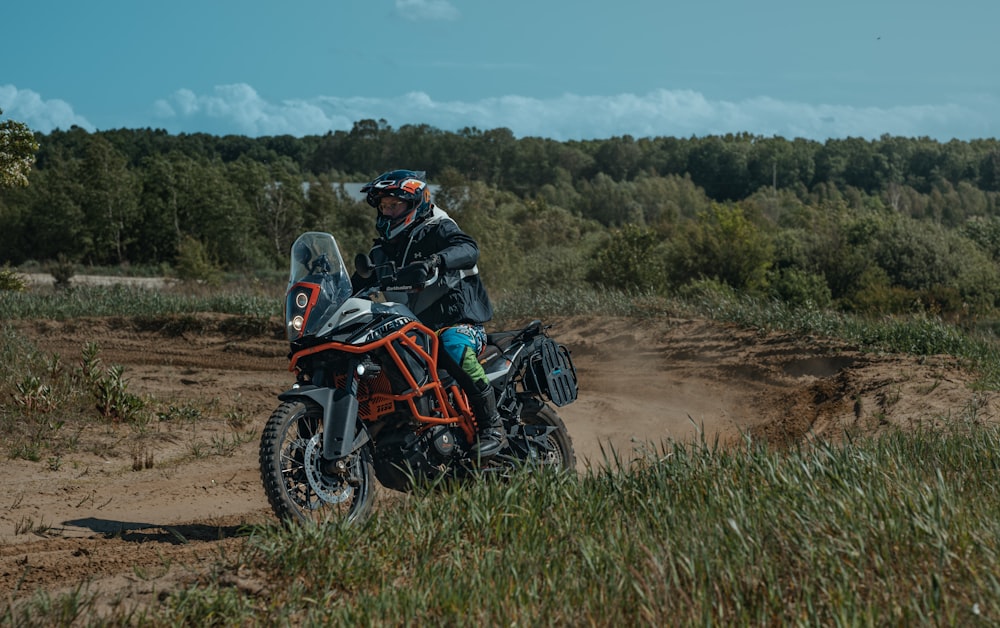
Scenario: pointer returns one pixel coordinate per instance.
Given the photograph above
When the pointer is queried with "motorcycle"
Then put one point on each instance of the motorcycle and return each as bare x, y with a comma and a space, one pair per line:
371, 405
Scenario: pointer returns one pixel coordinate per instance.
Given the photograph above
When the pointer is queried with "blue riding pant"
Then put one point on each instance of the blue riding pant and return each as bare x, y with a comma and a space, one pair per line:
463, 343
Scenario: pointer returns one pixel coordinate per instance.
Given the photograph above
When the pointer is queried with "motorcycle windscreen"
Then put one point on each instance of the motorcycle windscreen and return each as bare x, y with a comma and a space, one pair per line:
315, 254
318, 284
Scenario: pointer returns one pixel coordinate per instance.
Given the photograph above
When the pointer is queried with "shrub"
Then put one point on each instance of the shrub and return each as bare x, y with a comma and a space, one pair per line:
632, 259
62, 271
923, 257
800, 288
722, 244
109, 388
194, 263
876, 295
11, 280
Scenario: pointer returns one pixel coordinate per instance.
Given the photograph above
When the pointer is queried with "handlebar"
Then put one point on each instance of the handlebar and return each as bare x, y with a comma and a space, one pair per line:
394, 283
392, 279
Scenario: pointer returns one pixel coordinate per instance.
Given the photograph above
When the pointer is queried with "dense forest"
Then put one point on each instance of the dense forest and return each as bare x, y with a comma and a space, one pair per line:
889, 225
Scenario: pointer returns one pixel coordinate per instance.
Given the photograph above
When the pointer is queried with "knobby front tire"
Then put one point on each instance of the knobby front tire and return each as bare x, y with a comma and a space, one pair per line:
296, 487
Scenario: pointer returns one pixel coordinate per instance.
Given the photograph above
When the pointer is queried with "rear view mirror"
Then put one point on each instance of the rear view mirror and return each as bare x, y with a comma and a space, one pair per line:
363, 266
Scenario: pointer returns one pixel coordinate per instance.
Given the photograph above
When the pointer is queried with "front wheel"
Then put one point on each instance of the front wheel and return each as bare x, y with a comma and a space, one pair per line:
292, 472
559, 454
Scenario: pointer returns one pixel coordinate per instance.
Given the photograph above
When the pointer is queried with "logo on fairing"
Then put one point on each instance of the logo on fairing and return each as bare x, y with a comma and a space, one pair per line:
383, 330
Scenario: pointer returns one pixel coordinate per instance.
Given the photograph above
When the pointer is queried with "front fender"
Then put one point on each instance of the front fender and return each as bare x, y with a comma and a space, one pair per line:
341, 432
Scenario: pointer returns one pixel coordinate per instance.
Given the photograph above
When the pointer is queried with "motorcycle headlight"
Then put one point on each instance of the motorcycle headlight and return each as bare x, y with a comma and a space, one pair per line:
297, 323
301, 299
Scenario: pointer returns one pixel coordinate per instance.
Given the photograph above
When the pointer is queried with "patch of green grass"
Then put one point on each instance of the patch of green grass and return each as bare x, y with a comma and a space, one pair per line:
122, 301
914, 335
895, 531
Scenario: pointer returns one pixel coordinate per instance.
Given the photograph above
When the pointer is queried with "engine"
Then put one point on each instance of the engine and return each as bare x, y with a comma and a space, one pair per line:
401, 455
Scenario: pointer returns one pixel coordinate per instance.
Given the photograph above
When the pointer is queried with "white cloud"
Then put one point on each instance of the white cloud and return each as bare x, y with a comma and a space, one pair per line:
239, 109
416, 10
42, 116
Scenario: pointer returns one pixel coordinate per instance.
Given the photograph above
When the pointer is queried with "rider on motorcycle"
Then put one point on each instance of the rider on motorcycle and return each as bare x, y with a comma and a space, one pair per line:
419, 236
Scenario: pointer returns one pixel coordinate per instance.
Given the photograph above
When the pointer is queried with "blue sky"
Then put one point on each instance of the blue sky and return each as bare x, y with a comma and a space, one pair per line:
563, 70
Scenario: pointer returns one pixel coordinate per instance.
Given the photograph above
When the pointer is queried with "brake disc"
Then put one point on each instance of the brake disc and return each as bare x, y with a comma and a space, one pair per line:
330, 489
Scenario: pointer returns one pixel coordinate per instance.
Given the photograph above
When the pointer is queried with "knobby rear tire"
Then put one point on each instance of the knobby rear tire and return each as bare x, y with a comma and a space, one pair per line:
563, 457
291, 440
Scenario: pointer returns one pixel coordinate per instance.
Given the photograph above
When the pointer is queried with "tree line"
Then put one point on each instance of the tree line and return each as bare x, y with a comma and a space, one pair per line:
887, 225
728, 167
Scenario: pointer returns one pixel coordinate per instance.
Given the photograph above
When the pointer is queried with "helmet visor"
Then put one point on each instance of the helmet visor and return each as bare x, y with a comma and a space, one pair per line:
392, 206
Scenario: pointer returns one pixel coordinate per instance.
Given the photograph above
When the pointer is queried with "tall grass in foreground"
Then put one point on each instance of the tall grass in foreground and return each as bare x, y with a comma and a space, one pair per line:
898, 531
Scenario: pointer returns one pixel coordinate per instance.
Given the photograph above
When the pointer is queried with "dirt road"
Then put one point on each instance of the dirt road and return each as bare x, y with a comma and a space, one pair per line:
134, 513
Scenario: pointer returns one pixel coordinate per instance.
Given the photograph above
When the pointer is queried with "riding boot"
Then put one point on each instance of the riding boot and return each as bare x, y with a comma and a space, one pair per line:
491, 437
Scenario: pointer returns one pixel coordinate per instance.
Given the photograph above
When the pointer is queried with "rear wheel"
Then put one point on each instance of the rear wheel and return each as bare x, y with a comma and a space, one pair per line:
559, 454
290, 467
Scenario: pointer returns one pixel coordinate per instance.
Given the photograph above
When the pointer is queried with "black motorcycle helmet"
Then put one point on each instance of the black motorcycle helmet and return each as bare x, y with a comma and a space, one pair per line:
409, 186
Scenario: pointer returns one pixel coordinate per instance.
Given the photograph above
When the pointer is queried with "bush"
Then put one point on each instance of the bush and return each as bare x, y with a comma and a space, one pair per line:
62, 271
194, 263
797, 287
722, 244
877, 295
632, 259
11, 280
923, 257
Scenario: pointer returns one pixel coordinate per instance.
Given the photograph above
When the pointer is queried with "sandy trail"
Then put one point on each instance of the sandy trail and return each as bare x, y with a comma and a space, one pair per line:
135, 514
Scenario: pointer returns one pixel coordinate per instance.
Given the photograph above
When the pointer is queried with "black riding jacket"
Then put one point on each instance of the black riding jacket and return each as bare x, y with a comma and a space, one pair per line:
459, 295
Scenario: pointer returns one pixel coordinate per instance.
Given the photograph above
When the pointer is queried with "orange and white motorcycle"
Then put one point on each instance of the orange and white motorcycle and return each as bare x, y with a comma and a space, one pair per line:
370, 404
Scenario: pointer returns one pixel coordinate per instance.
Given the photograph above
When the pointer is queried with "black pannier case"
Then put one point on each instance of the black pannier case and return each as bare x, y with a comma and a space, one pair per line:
553, 373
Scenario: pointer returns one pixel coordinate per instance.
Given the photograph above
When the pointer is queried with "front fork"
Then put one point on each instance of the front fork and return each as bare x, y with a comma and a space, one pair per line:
340, 418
